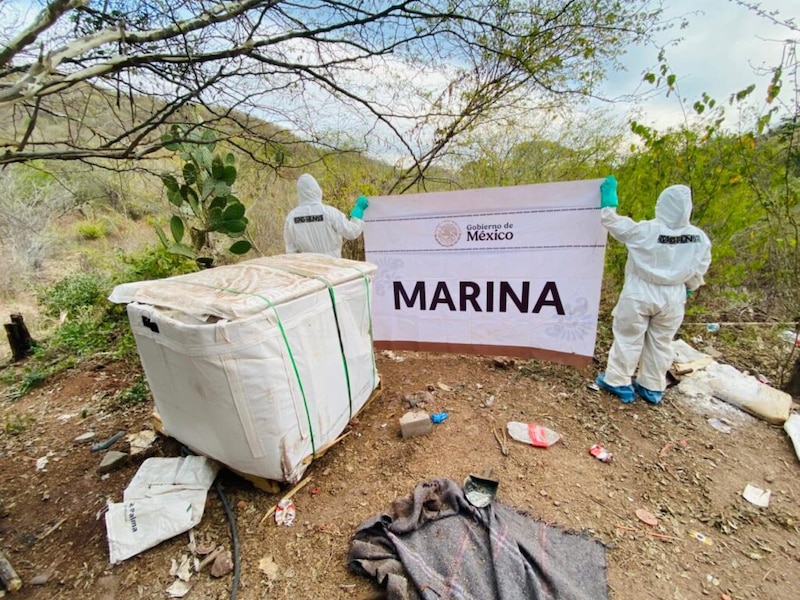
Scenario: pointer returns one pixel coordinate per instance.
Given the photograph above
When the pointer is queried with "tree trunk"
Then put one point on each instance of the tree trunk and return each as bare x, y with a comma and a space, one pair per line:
792, 387
18, 337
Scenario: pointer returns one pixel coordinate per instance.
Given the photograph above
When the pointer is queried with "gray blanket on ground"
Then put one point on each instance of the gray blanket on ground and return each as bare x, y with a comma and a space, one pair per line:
435, 545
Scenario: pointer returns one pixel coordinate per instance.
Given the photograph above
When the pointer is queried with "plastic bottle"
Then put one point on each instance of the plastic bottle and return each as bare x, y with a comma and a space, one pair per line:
532, 434
712, 327
790, 337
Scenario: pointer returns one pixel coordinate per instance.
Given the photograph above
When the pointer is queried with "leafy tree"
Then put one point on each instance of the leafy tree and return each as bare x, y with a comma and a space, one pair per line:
98, 79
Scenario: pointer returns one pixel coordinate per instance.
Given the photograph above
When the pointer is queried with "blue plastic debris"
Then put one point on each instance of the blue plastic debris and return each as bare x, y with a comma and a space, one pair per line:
439, 417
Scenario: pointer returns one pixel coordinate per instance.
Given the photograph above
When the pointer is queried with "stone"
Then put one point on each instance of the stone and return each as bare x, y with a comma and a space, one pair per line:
415, 423
223, 564
84, 437
111, 461
42, 578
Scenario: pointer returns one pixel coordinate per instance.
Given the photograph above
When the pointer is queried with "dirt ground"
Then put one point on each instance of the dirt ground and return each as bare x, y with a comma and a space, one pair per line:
667, 460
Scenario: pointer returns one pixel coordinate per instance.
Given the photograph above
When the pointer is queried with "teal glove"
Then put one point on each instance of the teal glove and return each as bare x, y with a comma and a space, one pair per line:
608, 193
361, 205
688, 292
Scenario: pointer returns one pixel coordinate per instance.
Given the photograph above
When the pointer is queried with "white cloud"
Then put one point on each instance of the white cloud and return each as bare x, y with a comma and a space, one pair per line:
724, 48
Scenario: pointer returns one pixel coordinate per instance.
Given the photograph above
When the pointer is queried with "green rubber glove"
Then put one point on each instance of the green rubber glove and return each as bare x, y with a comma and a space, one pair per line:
608, 193
361, 205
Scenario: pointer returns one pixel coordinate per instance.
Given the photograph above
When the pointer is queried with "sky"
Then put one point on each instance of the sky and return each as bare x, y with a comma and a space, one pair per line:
719, 52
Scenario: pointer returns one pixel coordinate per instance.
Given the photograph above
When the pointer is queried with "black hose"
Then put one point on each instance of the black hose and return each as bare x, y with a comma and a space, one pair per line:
237, 567
108, 443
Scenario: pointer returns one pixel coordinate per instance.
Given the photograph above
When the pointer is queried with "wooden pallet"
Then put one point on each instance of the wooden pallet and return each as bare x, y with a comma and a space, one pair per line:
270, 485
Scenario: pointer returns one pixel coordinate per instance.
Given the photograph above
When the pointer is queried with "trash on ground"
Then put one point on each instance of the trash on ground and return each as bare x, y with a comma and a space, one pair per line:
210, 557
141, 441
41, 462
269, 567
439, 417
726, 383
443, 386
436, 520
721, 425
8, 576
183, 569
757, 496
285, 512
646, 517
392, 356
166, 497
108, 443
533, 434
792, 429
687, 358
480, 490
701, 537
790, 337
288, 496
178, 589
594, 387
712, 327
415, 423
601, 453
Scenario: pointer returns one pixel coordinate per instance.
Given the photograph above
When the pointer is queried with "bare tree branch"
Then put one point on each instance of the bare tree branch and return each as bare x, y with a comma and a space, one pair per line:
416, 75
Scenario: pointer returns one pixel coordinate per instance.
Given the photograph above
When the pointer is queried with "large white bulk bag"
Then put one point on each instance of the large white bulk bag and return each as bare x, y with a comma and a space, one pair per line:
260, 364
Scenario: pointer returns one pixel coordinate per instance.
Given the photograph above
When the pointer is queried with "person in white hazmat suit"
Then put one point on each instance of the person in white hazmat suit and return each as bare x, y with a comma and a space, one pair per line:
316, 227
667, 259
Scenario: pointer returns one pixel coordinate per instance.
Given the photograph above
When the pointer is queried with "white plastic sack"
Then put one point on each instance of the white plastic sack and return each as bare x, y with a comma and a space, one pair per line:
685, 357
166, 497
792, 428
743, 391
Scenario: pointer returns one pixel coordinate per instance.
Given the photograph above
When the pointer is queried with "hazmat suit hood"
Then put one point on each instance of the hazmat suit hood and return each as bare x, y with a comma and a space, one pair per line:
674, 206
308, 190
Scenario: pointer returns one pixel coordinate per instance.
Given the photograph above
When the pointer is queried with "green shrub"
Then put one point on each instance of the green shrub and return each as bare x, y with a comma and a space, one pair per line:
30, 380
92, 230
86, 332
16, 424
152, 263
138, 393
73, 293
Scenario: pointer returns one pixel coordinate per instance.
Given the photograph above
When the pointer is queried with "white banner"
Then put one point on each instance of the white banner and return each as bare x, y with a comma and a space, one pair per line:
510, 271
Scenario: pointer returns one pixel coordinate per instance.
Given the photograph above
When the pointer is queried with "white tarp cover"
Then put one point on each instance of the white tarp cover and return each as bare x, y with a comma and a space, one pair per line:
250, 364
513, 270
167, 496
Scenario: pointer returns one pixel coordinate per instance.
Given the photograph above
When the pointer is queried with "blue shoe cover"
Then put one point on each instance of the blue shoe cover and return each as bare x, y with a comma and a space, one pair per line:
623, 392
647, 395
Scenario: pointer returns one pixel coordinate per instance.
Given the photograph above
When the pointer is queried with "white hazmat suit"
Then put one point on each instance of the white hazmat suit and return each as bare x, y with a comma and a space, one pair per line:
316, 227
666, 257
